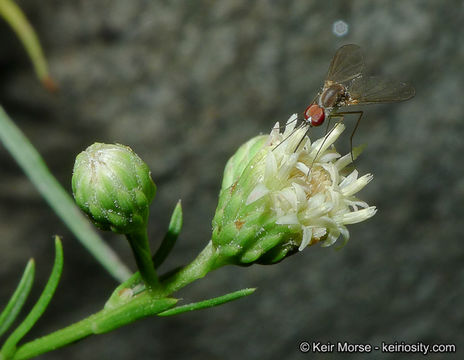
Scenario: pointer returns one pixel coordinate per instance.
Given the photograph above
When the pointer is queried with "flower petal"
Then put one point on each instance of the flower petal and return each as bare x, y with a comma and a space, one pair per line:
257, 193
289, 219
356, 186
356, 216
307, 235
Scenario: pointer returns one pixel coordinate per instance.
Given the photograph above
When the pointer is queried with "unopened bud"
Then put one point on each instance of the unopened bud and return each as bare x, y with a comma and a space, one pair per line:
113, 186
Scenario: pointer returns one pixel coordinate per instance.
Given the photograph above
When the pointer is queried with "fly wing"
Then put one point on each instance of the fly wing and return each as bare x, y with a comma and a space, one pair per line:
374, 89
347, 64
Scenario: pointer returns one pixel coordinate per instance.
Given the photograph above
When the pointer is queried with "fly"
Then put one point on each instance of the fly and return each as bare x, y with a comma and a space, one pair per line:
347, 85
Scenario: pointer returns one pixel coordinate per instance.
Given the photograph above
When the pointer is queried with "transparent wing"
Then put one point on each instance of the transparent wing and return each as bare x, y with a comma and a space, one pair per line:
375, 89
347, 64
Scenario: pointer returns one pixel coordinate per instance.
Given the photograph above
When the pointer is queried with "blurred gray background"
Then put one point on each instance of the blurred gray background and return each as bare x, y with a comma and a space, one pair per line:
184, 84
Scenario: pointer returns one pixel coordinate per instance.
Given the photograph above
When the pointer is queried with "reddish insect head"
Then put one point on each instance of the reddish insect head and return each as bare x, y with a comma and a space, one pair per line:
314, 114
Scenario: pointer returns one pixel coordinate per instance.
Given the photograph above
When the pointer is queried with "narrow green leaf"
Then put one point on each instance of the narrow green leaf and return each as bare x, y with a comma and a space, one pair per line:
14, 16
16, 302
138, 308
101, 322
35, 168
208, 303
175, 226
9, 347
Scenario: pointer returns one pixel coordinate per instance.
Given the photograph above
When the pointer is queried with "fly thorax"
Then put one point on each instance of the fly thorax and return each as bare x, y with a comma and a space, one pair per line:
332, 95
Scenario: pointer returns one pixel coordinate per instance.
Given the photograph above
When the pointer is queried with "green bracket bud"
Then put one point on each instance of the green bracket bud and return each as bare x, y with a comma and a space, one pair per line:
113, 186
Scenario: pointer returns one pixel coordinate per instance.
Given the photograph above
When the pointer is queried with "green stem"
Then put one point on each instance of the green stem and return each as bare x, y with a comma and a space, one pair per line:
127, 310
141, 249
101, 322
205, 262
59, 200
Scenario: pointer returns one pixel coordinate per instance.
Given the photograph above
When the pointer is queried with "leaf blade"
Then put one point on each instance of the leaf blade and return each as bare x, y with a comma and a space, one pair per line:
9, 347
15, 17
208, 303
17, 300
175, 226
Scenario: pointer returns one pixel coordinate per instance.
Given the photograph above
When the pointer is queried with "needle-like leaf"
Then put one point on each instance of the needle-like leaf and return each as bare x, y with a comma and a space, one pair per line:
35, 168
208, 303
9, 347
14, 16
175, 226
14, 306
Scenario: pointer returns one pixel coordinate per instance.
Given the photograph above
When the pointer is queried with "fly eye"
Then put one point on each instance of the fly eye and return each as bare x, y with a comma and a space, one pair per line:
315, 114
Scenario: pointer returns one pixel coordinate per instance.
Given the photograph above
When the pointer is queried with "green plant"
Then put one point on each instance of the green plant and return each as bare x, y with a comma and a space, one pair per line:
14, 16
280, 194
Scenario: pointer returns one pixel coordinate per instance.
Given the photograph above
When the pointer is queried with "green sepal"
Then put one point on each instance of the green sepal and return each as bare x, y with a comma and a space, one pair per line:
270, 248
260, 248
18, 298
238, 162
277, 254
245, 233
208, 303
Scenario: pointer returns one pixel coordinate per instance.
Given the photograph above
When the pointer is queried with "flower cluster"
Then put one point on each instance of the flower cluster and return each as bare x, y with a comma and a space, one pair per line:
282, 193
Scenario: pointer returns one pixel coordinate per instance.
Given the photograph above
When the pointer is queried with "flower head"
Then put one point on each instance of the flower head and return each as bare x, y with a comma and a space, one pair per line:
113, 186
282, 193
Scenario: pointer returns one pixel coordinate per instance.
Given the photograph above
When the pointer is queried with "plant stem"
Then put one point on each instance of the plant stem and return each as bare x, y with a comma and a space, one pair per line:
205, 262
101, 322
59, 200
141, 249
124, 312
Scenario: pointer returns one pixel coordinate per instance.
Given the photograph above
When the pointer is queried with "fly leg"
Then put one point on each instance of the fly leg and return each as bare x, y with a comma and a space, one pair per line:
327, 133
304, 123
291, 133
360, 114
302, 138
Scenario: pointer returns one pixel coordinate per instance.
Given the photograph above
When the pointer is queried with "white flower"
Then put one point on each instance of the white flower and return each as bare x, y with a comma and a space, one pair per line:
308, 186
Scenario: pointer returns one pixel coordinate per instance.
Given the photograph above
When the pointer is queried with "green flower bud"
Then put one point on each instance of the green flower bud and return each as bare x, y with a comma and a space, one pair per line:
283, 193
113, 186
